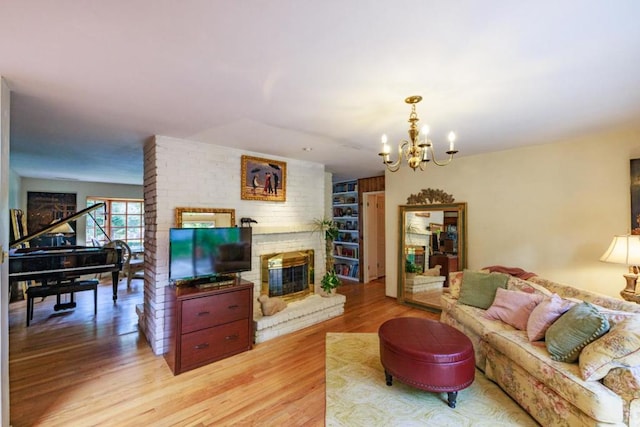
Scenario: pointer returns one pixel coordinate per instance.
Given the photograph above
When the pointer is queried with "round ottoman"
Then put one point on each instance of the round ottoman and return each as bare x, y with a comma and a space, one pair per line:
427, 354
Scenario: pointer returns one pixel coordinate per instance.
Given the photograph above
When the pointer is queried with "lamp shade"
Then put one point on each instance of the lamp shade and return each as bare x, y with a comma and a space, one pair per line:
62, 229
623, 250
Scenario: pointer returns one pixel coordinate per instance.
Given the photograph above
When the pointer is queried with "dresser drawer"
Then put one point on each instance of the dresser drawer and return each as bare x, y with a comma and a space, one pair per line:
207, 345
205, 312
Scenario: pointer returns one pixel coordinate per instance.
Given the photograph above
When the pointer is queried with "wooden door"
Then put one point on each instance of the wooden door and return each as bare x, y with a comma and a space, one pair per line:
373, 236
380, 233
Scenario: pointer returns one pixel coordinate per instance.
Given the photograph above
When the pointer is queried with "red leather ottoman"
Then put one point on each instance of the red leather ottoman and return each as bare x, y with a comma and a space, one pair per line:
427, 354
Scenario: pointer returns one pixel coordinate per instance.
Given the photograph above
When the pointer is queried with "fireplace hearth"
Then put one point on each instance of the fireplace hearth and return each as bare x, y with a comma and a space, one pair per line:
290, 276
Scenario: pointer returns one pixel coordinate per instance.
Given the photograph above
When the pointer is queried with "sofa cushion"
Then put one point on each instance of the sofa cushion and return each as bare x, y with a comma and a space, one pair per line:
513, 307
516, 284
619, 348
474, 321
479, 289
544, 314
615, 316
455, 281
579, 326
566, 291
564, 379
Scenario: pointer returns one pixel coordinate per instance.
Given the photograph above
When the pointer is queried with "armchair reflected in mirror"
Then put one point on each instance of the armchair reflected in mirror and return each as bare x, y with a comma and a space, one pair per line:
205, 217
432, 244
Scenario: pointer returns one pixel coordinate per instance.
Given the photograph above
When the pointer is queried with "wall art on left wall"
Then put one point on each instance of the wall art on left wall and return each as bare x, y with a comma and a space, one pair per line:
263, 179
44, 209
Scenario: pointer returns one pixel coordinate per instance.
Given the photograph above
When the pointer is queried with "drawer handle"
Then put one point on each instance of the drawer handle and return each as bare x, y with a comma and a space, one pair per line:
231, 337
202, 346
233, 307
203, 313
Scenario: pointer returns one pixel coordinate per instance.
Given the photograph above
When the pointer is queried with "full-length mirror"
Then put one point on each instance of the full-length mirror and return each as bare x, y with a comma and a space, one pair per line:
432, 244
205, 217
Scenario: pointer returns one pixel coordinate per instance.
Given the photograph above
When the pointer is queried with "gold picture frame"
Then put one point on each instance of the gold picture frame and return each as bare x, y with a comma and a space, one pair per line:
263, 179
205, 217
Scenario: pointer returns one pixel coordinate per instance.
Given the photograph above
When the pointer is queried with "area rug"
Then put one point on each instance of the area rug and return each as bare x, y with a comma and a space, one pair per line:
357, 394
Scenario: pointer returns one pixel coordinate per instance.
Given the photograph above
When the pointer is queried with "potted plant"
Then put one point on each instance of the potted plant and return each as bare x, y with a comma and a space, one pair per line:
411, 269
330, 281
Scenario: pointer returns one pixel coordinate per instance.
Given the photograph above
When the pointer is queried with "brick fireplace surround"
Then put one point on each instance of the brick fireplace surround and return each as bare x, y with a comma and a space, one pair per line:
186, 173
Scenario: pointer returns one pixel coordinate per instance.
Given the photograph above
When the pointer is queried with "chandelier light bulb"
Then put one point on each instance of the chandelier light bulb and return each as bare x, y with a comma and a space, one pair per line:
385, 147
452, 138
425, 130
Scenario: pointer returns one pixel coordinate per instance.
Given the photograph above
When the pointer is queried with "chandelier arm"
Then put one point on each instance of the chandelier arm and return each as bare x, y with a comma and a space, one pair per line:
395, 166
442, 163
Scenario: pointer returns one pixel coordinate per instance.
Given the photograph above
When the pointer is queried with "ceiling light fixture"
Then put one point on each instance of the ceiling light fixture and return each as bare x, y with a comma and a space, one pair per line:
416, 152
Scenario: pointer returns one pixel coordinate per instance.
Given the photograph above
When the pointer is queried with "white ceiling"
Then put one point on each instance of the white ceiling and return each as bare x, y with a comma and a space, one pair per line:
92, 80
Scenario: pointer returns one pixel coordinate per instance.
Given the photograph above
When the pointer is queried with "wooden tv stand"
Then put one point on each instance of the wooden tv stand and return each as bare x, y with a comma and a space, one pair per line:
204, 325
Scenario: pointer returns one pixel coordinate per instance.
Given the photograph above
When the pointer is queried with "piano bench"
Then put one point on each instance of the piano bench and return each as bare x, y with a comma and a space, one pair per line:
57, 290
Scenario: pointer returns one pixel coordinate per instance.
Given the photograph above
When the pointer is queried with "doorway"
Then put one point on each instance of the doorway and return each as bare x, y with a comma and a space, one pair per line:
373, 235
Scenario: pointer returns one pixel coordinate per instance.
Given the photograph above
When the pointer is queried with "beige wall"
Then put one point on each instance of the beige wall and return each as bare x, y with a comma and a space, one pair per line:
551, 209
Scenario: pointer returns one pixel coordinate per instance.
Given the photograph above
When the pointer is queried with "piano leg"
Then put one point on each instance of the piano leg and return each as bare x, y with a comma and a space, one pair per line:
115, 275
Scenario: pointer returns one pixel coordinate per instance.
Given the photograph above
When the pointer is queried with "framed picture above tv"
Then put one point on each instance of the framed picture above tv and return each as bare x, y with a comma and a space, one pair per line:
263, 179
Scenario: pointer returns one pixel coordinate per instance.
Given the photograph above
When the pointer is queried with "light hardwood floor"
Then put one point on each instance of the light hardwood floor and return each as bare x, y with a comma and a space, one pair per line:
76, 369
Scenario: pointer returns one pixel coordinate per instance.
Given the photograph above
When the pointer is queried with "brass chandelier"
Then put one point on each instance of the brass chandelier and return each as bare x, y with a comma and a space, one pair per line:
417, 152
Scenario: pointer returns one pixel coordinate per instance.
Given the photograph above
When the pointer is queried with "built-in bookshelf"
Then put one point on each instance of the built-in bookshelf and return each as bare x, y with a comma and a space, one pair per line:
346, 248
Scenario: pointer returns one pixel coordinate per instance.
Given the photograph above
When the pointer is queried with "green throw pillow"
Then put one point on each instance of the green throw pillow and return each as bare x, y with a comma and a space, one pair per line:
579, 326
479, 289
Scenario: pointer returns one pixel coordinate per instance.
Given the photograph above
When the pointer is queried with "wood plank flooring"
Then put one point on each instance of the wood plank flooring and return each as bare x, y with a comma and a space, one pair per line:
76, 369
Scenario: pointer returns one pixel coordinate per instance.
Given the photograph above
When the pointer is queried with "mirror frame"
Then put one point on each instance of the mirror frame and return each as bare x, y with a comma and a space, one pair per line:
180, 211
461, 208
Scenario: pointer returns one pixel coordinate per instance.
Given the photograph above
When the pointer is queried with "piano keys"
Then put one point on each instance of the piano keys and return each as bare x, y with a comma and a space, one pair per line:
51, 265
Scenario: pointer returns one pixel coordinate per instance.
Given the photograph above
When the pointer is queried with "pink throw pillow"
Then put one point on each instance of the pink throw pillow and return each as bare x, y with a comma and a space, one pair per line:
513, 307
543, 316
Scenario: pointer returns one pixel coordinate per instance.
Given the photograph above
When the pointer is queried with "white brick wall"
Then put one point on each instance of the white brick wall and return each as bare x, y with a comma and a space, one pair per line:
182, 173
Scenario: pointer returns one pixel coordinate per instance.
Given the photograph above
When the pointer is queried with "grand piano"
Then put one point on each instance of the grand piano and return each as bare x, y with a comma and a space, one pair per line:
58, 265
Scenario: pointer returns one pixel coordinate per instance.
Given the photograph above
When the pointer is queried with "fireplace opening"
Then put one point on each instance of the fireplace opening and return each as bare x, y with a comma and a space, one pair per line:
288, 275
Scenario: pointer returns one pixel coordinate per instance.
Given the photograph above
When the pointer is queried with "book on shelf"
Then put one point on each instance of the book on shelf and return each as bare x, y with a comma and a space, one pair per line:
347, 237
347, 270
343, 187
346, 251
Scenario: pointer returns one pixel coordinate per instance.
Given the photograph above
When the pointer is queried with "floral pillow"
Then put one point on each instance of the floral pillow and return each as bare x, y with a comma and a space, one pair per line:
455, 281
513, 307
517, 284
619, 348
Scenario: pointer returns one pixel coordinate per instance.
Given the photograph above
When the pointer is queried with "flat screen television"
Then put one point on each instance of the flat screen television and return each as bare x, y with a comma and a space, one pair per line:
196, 253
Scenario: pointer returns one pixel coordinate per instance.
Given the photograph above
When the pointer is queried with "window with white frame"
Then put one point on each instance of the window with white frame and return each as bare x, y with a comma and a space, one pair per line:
120, 219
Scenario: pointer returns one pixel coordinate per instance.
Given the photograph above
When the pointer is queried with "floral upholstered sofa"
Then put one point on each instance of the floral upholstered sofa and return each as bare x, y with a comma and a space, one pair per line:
569, 357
